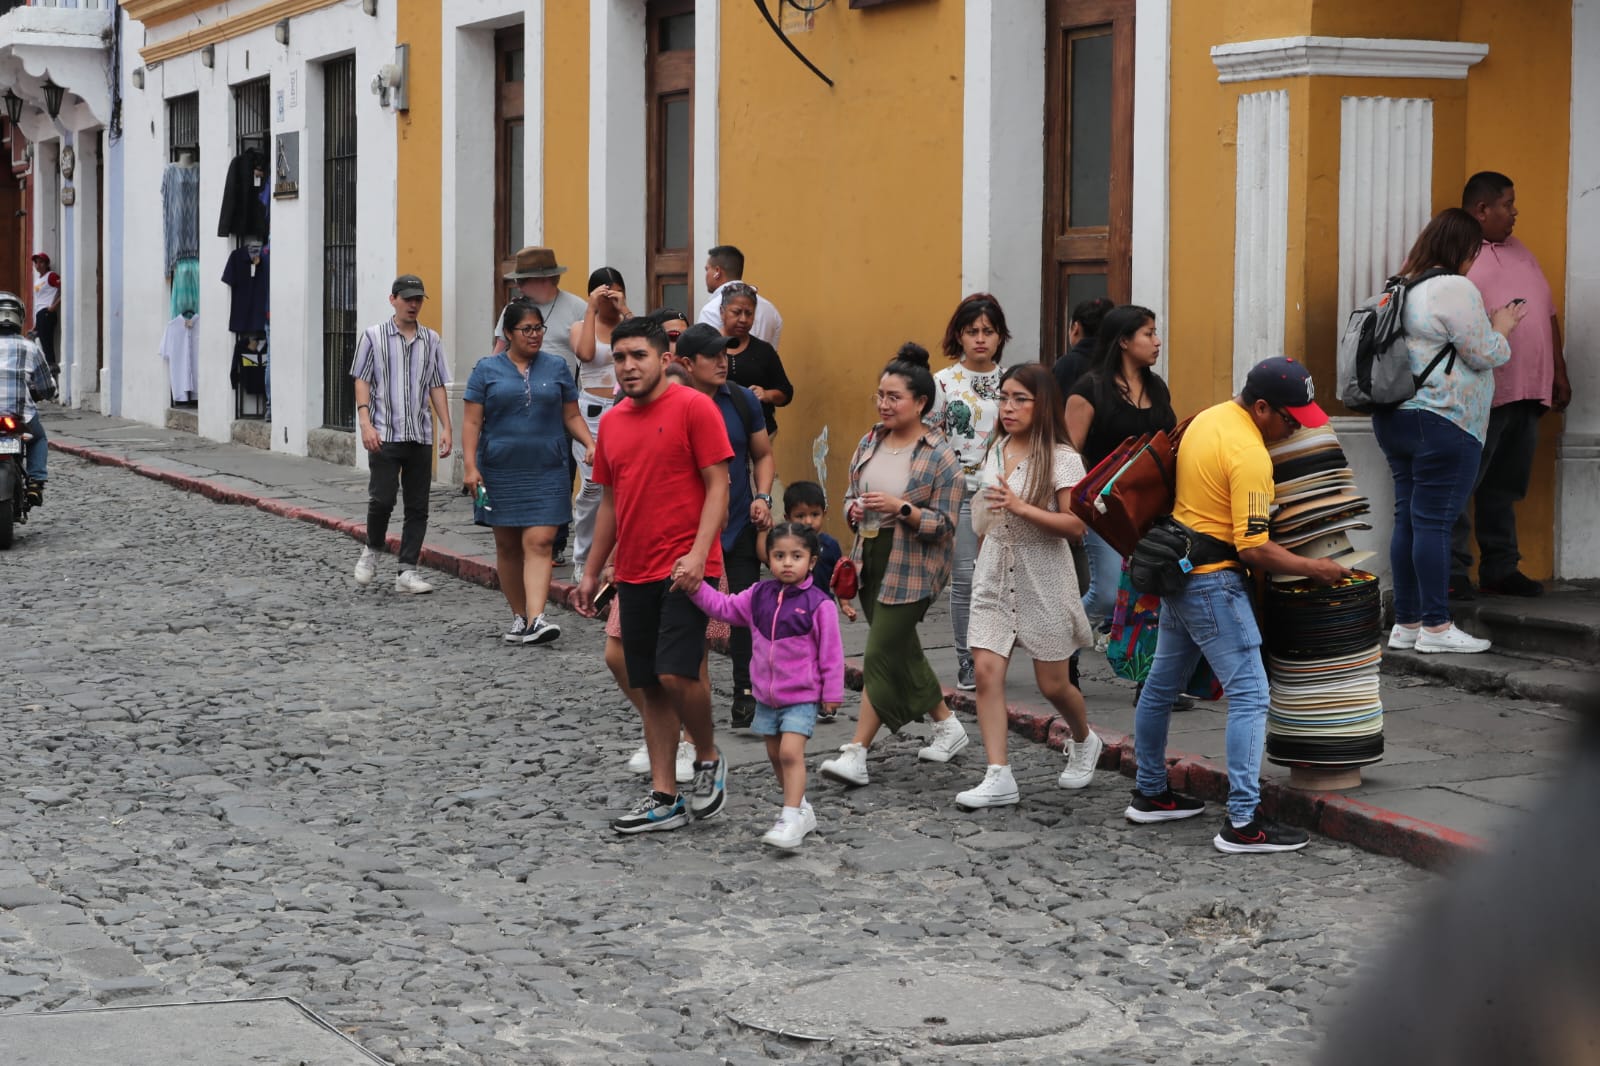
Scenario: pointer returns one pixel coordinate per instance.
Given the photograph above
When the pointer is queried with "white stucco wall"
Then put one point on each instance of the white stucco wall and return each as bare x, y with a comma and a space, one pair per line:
296, 238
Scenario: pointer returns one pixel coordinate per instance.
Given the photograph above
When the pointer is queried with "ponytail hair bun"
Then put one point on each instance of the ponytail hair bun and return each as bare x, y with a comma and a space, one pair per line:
913, 353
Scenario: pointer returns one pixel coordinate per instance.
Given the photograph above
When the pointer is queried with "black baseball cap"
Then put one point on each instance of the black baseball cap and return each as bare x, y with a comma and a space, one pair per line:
407, 286
701, 339
1284, 383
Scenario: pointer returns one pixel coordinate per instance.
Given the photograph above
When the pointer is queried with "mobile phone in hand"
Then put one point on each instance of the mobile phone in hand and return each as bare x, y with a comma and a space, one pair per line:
603, 597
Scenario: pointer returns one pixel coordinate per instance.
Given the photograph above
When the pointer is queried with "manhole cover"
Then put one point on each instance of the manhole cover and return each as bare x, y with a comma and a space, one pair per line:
939, 1007
264, 1031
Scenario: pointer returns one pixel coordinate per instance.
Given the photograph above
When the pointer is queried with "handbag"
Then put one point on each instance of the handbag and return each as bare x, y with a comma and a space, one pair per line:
846, 581
1132, 487
1131, 645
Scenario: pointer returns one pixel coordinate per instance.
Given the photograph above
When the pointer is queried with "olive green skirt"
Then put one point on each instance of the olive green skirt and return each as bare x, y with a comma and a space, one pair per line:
900, 682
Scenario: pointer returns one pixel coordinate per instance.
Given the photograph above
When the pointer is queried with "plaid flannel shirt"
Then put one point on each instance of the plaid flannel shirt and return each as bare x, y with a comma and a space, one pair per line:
23, 371
920, 558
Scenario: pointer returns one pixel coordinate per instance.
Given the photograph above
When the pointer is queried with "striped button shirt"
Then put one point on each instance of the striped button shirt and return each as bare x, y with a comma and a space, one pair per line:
400, 373
920, 557
22, 367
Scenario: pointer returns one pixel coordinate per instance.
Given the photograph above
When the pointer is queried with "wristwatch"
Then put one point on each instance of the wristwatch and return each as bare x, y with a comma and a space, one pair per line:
764, 498
905, 510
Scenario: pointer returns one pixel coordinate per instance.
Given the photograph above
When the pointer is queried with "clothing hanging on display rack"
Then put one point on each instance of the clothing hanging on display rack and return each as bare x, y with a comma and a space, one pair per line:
179, 347
185, 286
249, 357
247, 274
180, 213
242, 212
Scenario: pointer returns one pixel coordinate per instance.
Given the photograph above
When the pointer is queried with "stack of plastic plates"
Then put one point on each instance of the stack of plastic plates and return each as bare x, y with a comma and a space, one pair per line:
1323, 647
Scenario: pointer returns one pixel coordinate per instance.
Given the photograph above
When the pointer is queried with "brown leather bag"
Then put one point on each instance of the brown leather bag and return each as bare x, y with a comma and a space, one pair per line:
1121, 498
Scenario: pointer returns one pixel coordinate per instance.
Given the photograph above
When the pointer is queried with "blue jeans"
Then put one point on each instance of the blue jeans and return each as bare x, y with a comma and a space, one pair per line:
35, 465
966, 556
1105, 573
1434, 463
1211, 616
775, 721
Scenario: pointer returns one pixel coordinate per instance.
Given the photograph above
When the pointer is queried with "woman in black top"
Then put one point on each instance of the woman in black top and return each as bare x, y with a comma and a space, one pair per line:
752, 362
1120, 397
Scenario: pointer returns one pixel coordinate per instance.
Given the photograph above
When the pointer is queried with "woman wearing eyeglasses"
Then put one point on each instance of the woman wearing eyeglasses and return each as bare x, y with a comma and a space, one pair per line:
591, 343
519, 407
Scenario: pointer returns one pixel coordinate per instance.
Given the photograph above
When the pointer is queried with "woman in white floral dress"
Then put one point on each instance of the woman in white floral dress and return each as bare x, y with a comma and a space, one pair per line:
1024, 587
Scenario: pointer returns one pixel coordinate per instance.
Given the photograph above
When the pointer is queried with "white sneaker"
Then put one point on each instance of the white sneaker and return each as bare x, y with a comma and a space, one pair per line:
850, 766
998, 789
684, 770
366, 567
948, 738
1082, 758
639, 762
1454, 640
1403, 639
809, 816
519, 626
787, 832
413, 582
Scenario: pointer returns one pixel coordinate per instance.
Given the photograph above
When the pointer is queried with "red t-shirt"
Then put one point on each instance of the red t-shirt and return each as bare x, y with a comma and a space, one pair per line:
651, 455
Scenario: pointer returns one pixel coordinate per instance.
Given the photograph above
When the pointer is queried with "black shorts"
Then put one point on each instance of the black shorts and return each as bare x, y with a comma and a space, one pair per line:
663, 632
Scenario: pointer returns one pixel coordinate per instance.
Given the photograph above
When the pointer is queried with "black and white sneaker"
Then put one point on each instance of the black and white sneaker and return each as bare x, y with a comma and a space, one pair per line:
656, 812
540, 632
1259, 836
1170, 806
519, 626
708, 793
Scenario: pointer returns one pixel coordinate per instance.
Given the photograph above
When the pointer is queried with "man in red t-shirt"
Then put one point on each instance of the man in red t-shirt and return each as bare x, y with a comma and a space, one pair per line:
661, 459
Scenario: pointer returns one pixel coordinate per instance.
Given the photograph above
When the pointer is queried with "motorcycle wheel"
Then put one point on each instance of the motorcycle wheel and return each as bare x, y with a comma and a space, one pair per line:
6, 517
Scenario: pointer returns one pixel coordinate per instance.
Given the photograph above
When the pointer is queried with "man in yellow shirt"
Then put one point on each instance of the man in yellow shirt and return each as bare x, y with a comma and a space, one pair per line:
1225, 491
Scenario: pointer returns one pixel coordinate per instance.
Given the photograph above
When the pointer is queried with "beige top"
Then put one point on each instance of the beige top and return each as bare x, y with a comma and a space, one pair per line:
889, 470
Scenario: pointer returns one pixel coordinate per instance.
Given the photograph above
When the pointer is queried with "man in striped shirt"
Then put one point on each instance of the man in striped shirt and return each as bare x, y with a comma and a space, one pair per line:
400, 373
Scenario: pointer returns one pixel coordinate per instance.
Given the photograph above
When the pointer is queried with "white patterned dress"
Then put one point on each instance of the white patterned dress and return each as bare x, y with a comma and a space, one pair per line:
1024, 588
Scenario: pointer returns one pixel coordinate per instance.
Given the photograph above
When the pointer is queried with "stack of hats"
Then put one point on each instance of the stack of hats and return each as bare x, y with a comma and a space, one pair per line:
1323, 644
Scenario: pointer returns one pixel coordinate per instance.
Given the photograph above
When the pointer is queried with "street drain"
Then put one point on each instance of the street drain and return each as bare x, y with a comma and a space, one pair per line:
937, 1006
271, 1031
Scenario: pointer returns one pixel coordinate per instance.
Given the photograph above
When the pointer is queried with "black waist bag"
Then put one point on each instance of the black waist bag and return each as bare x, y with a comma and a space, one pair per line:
1165, 557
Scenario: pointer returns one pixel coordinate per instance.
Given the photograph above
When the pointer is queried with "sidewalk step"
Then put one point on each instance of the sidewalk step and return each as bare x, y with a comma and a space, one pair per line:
1503, 672
1565, 622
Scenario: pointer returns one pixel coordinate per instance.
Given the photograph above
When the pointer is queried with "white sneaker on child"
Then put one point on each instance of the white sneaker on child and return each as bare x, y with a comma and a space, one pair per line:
809, 816
787, 832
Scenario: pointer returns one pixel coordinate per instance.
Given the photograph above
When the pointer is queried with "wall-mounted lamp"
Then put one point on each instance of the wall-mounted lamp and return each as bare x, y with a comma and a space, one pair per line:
208, 56
137, 77
391, 86
52, 98
13, 107
281, 32
370, 7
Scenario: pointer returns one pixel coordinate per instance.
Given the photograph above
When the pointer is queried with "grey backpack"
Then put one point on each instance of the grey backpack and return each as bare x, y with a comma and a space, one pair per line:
1374, 366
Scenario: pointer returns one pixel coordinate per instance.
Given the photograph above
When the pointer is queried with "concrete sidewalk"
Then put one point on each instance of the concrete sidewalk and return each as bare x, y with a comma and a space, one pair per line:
1458, 766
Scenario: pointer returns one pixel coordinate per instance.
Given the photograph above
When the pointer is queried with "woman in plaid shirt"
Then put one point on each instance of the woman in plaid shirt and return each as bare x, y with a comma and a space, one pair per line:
905, 490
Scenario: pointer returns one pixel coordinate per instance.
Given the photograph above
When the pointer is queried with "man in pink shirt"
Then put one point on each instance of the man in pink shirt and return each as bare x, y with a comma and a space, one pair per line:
1534, 380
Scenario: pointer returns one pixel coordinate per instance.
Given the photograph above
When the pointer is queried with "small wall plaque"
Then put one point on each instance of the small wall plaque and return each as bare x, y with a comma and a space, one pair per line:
286, 176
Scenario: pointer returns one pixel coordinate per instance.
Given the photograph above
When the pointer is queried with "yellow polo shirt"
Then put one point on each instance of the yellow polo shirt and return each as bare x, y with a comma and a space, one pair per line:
1225, 485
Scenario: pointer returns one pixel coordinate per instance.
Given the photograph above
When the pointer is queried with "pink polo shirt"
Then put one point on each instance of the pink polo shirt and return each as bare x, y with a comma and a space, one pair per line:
1505, 272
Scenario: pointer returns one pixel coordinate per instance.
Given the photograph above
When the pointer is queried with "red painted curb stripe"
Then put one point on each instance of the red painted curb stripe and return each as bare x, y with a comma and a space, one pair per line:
1341, 818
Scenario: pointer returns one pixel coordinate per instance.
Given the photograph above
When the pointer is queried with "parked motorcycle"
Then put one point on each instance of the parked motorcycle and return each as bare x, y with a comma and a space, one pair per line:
13, 477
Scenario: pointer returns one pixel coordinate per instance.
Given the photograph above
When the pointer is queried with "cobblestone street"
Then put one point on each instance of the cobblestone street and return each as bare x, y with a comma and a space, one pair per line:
230, 772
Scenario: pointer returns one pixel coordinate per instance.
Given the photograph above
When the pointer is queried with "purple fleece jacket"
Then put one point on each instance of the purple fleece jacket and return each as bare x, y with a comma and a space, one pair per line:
796, 653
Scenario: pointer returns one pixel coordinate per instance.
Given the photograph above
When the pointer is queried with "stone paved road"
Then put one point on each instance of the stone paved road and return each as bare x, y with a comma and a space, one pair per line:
229, 772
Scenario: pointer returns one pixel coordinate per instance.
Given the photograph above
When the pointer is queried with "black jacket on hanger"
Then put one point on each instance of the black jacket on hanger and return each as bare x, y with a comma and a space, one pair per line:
242, 212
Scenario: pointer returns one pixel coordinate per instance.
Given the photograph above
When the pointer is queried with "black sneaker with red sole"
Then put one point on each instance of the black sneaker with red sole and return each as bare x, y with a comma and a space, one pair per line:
1170, 806
1258, 837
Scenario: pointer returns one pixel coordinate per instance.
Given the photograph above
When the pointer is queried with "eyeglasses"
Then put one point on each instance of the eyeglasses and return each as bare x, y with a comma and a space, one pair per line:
1288, 419
1014, 400
528, 331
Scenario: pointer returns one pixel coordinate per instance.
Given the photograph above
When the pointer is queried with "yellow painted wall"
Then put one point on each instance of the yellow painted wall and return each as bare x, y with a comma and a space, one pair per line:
566, 141
418, 242
1511, 114
845, 201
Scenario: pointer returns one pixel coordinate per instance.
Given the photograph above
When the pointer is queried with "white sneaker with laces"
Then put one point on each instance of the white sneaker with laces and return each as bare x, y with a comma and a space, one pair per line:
412, 582
809, 816
1451, 640
1082, 758
1402, 638
948, 738
366, 567
787, 832
850, 766
639, 761
998, 789
684, 770
519, 626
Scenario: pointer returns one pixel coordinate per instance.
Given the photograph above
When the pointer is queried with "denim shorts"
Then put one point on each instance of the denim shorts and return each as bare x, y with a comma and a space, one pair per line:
799, 718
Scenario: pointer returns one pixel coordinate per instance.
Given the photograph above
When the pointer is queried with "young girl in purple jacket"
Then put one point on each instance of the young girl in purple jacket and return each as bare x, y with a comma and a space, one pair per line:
796, 664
